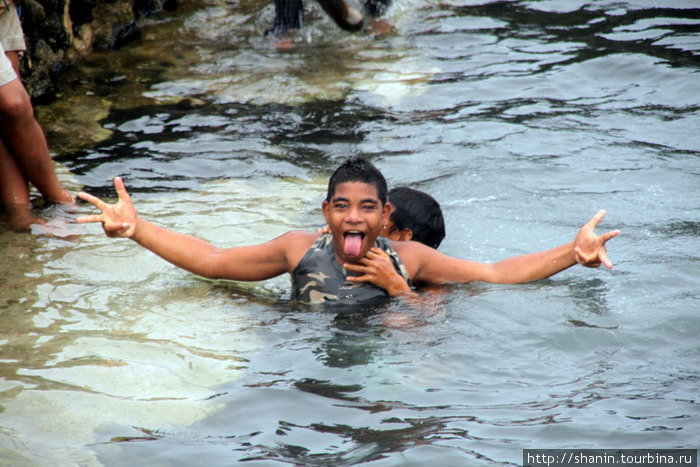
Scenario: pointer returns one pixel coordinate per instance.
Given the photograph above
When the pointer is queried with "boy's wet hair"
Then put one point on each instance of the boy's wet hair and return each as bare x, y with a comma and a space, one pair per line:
358, 169
418, 212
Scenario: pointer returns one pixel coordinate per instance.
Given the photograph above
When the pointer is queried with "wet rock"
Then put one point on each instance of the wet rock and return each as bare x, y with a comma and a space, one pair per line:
123, 34
80, 12
58, 32
170, 5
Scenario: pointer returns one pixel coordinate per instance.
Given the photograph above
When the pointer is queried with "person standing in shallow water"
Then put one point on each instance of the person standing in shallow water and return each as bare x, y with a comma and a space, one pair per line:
289, 15
24, 154
355, 210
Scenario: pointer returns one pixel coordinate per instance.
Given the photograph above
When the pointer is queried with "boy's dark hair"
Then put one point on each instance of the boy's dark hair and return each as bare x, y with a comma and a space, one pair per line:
358, 169
418, 212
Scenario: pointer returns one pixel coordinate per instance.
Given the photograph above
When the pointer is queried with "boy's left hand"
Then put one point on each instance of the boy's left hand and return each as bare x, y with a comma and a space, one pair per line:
589, 248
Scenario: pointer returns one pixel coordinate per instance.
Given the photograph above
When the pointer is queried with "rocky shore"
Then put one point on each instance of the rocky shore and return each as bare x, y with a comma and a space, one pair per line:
58, 32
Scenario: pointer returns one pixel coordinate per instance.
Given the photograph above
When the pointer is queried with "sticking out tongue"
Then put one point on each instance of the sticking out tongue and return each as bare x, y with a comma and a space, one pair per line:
353, 244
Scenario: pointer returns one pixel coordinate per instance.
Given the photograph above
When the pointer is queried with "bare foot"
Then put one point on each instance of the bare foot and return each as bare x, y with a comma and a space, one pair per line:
381, 27
60, 222
18, 217
284, 44
64, 198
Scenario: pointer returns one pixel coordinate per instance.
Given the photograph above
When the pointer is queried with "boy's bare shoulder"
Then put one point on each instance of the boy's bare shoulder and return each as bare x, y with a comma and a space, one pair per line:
297, 243
301, 236
413, 255
410, 247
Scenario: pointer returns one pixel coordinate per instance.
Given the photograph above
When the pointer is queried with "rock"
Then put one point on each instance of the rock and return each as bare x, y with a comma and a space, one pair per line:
59, 32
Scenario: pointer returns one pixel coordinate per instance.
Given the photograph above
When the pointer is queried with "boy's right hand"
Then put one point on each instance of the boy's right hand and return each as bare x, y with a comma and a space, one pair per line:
119, 219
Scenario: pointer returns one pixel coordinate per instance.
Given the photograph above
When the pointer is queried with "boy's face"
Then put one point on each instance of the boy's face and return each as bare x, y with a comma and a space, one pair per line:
355, 217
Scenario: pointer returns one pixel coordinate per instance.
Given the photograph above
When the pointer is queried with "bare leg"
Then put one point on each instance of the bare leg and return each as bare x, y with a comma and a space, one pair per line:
14, 194
13, 186
343, 14
14, 60
25, 140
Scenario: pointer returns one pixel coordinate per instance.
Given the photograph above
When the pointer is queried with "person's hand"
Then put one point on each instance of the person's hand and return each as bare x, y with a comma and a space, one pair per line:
377, 268
324, 230
119, 219
589, 248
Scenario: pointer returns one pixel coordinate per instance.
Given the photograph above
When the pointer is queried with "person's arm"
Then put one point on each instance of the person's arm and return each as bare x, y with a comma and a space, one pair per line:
377, 268
588, 249
343, 14
248, 263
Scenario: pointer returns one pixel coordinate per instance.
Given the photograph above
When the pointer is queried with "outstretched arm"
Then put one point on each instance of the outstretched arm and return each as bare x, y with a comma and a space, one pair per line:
248, 263
588, 249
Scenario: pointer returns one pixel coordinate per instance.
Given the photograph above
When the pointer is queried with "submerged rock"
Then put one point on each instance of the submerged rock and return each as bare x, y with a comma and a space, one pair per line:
60, 31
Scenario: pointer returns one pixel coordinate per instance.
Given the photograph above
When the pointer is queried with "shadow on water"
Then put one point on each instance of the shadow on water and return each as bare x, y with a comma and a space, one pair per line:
368, 444
517, 118
361, 445
315, 134
353, 343
602, 29
32, 326
156, 145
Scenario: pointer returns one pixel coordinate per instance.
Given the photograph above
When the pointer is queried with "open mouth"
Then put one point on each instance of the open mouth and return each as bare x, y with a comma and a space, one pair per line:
352, 242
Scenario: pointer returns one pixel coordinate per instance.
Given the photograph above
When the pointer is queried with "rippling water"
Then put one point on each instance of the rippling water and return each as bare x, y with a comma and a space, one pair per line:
521, 118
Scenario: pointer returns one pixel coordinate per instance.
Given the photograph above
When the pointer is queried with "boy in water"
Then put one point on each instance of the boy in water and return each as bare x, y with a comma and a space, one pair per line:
415, 215
355, 210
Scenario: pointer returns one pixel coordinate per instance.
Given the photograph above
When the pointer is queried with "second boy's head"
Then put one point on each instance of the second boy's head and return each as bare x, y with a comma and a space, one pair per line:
355, 208
415, 216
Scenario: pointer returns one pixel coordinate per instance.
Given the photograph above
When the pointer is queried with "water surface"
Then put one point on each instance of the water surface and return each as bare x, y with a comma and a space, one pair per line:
521, 118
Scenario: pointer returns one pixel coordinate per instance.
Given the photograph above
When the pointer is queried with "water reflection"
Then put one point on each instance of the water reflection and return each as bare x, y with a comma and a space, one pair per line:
69, 345
521, 118
27, 321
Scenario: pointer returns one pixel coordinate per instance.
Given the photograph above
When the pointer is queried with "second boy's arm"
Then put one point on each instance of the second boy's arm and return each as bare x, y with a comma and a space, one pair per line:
588, 249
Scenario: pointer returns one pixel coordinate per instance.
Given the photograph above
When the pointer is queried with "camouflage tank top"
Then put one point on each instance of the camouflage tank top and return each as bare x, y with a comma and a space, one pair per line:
318, 278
